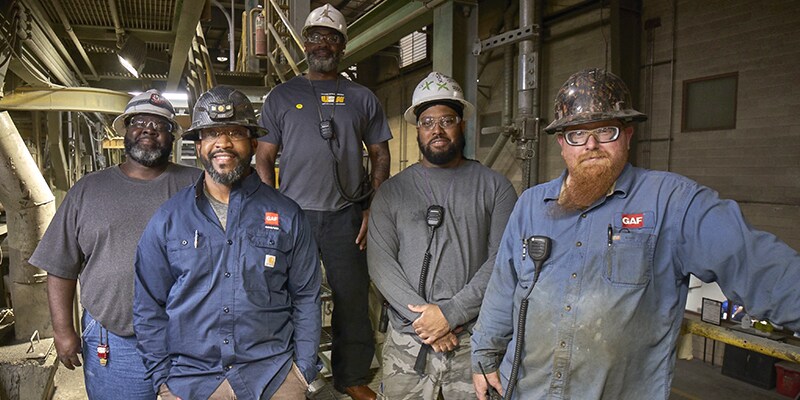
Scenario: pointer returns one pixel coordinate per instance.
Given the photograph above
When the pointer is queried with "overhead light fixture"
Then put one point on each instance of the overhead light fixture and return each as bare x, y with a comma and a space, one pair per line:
222, 58
132, 55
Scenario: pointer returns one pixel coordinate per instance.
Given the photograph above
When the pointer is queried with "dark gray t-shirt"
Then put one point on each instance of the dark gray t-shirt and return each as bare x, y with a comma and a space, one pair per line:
477, 203
291, 114
94, 233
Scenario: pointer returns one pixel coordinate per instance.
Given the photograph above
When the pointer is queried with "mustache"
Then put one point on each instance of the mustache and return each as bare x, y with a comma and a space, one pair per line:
213, 153
437, 137
593, 154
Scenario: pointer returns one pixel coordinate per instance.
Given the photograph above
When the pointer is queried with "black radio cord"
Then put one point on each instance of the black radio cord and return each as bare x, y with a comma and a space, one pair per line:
523, 310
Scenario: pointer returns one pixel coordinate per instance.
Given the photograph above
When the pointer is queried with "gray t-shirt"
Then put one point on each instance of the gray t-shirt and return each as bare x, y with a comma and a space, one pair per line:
94, 233
291, 114
477, 203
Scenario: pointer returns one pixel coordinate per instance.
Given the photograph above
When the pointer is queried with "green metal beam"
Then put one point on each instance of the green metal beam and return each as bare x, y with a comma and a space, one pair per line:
66, 99
384, 26
99, 33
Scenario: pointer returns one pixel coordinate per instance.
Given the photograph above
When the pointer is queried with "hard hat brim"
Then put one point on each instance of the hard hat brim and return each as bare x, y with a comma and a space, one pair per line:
120, 129
411, 118
560, 125
256, 131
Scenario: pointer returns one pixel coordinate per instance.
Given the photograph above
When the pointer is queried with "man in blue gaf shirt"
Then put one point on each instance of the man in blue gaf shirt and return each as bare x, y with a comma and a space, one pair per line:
605, 312
227, 276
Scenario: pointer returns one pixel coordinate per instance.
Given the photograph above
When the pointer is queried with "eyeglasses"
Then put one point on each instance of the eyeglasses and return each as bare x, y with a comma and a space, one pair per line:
603, 134
142, 123
331, 38
235, 135
445, 122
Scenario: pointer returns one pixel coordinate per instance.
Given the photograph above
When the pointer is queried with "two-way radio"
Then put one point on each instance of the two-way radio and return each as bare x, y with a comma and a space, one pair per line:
434, 218
538, 248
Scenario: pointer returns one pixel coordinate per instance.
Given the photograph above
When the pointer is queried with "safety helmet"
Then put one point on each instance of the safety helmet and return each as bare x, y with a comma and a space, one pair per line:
223, 106
149, 102
437, 86
592, 95
326, 16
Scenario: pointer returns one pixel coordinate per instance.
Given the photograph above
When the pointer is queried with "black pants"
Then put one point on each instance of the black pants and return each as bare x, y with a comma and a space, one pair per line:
346, 269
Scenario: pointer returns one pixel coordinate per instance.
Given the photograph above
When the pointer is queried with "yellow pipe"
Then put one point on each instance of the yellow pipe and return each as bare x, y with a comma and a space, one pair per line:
755, 343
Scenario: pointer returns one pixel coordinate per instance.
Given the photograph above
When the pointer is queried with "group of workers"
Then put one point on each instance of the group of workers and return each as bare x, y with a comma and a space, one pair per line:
206, 284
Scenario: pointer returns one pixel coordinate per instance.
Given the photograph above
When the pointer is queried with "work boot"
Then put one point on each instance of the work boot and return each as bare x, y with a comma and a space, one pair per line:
360, 392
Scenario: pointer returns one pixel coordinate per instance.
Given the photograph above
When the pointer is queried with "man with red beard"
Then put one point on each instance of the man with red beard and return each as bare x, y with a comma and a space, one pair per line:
93, 238
227, 276
434, 306
599, 318
321, 123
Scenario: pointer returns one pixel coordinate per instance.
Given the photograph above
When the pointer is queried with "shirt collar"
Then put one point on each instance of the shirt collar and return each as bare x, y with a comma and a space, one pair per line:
249, 185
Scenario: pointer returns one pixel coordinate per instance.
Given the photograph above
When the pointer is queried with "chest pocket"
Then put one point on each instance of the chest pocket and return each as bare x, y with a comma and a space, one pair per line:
266, 263
191, 266
629, 260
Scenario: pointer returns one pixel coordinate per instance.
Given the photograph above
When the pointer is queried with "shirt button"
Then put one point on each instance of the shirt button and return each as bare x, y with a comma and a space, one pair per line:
563, 344
218, 377
230, 242
579, 244
227, 274
184, 242
226, 341
225, 310
568, 308
574, 275
583, 215
229, 367
558, 375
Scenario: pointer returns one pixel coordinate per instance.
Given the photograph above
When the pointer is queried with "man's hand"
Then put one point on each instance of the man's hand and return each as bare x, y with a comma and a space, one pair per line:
361, 239
479, 383
445, 343
431, 325
68, 346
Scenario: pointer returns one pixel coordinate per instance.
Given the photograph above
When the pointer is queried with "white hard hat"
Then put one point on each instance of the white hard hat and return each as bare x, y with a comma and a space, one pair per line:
149, 102
326, 16
437, 86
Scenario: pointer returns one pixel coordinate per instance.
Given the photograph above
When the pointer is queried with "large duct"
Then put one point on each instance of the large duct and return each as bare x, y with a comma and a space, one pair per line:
30, 206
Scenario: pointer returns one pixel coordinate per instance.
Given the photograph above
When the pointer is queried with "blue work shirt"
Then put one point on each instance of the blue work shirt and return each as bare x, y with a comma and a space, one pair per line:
238, 304
606, 312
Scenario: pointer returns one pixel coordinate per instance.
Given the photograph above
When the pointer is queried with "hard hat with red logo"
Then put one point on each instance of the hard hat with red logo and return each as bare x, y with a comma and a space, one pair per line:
592, 95
437, 88
149, 102
326, 16
223, 106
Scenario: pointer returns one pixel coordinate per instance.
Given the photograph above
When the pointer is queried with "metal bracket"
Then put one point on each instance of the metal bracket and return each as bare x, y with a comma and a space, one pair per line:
522, 33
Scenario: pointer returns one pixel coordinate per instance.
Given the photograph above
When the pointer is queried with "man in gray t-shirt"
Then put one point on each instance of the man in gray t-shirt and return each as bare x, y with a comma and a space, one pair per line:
434, 232
322, 121
93, 237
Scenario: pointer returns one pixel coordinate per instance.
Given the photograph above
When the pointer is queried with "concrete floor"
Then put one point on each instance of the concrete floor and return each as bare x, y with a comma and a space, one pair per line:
694, 380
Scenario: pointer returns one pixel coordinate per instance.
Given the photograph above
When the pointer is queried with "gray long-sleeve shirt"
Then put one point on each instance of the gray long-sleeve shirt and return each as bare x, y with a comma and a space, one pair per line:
477, 203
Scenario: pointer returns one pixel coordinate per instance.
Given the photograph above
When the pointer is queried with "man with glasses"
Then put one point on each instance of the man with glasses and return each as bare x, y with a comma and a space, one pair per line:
434, 232
93, 238
321, 122
227, 275
604, 310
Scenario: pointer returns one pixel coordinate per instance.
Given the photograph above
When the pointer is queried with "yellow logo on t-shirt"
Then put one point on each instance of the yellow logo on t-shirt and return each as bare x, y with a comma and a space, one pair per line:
298, 106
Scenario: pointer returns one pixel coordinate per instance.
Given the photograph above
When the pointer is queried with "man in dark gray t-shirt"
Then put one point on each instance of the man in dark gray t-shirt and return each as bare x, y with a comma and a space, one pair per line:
93, 237
321, 122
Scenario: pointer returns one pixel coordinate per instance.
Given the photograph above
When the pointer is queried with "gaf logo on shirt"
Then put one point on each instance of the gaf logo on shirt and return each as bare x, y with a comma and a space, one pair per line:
272, 220
632, 220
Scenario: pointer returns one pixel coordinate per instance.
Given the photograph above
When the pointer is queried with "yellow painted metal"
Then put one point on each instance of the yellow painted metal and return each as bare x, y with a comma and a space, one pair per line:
784, 351
115, 143
66, 99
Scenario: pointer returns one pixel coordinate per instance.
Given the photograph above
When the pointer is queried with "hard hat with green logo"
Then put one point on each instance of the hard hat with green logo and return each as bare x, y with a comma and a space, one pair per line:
437, 87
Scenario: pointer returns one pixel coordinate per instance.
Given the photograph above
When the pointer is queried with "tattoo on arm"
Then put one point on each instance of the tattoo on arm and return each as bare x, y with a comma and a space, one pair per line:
380, 160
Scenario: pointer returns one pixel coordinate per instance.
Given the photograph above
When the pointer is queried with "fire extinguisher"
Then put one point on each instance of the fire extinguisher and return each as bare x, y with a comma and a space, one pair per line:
261, 34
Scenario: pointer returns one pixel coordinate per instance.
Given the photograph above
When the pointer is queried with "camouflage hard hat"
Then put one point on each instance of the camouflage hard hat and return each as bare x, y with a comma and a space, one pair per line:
223, 106
592, 95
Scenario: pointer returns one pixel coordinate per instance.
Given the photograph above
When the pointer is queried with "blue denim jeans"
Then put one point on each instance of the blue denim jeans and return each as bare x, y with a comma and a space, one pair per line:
123, 376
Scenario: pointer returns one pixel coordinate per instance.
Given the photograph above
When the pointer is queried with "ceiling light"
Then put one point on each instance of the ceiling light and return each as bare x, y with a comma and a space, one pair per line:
222, 58
132, 55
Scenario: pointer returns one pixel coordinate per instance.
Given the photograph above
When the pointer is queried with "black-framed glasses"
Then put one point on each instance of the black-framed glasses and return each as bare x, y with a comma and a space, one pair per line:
235, 135
579, 137
154, 124
445, 122
331, 38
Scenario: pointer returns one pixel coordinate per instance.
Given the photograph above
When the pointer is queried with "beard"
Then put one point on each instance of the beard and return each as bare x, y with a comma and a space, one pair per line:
323, 63
589, 183
451, 152
226, 178
155, 156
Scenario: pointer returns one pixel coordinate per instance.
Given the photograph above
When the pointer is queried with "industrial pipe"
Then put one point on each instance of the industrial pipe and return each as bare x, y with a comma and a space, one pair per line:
30, 205
67, 27
231, 41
